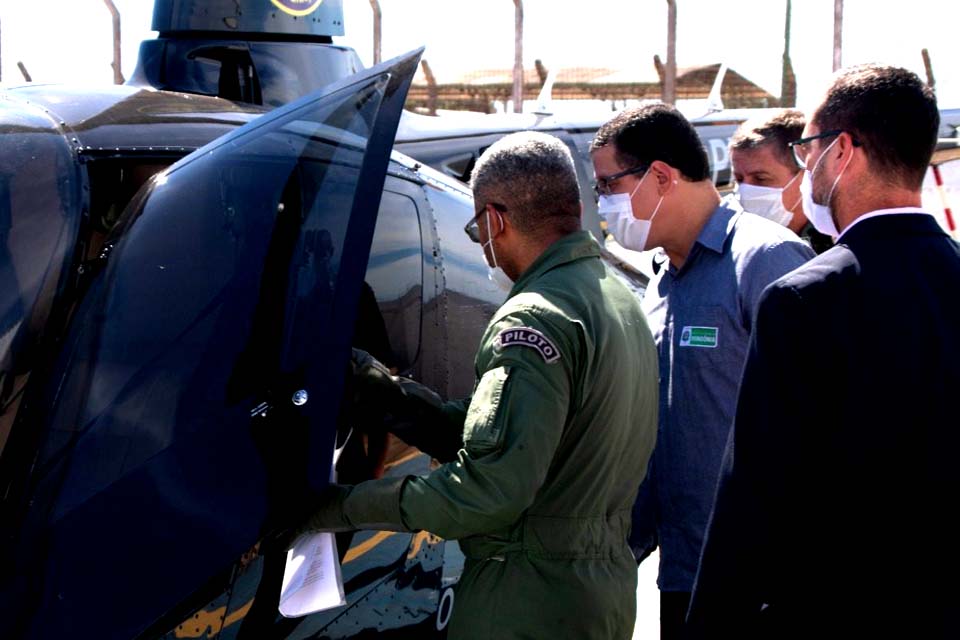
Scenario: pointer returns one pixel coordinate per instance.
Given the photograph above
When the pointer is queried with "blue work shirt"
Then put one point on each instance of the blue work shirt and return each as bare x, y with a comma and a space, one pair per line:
701, 316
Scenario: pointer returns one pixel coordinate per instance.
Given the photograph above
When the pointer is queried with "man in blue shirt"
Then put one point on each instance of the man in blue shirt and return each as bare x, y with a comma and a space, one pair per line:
655, 190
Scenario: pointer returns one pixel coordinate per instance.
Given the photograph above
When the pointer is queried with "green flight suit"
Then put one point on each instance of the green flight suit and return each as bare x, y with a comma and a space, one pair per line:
556, 439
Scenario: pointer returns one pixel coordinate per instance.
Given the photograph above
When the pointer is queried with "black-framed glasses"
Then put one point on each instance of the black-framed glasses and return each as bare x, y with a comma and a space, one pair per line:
472, 228
602, 186
801, 147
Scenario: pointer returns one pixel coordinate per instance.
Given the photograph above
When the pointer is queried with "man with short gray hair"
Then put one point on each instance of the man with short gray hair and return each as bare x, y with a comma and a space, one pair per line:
535, 173
543, 462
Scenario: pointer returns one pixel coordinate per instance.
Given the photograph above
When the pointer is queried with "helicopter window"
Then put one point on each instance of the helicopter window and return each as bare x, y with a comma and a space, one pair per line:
391, 329
218, 282
582, 141
254, 72
453, 156
39, 213
113, 183
460, 167
237, 75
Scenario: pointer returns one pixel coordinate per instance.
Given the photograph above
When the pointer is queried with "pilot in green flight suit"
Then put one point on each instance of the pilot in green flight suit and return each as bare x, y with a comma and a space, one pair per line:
553, 444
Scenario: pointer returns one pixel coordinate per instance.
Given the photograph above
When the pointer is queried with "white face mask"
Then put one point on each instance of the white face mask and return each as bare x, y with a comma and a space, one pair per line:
495, 274
820, 215
766, 202
617, 210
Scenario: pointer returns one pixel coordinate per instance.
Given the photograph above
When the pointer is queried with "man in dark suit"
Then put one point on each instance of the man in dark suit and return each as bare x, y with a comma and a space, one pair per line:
835, 510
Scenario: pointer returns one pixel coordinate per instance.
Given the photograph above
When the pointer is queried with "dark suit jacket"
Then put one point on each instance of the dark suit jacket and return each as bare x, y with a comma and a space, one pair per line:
839, 495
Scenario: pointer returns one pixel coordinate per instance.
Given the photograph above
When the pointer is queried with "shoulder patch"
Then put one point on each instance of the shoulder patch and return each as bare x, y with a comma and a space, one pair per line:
527, 337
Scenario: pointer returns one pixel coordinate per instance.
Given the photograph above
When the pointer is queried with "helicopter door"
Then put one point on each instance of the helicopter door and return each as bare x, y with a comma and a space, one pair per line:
193, 409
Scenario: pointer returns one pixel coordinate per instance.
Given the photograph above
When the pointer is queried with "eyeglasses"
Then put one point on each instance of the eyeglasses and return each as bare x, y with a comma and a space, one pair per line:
602, 186
472, 228
801, 147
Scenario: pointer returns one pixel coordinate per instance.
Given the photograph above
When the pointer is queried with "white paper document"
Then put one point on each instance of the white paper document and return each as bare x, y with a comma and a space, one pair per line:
311, 579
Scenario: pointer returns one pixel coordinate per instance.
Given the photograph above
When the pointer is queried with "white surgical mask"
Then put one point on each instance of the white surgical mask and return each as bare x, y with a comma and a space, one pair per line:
820, 215
766, 202
495, 274
617, 210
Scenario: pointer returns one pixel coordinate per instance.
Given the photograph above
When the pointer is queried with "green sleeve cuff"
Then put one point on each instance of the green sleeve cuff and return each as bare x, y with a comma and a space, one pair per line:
375, 504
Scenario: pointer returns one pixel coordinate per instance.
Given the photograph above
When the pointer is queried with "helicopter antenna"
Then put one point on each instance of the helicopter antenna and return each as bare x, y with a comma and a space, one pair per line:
23, 70
714, 100
545, 98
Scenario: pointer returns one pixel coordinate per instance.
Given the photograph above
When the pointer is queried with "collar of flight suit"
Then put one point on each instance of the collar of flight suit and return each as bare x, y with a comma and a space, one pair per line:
574, 246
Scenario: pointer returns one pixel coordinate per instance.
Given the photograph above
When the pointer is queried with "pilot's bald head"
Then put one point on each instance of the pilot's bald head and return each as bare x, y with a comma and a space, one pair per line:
533, 175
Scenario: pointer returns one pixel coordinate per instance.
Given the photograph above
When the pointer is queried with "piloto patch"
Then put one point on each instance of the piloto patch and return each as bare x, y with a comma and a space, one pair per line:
527, 337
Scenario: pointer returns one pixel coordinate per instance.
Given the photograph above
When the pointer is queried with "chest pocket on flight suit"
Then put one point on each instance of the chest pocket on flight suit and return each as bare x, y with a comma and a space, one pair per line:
483, 430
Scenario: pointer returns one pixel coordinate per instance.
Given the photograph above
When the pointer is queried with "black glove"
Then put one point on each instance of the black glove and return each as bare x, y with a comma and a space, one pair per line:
407, 409
373, 382
420, 420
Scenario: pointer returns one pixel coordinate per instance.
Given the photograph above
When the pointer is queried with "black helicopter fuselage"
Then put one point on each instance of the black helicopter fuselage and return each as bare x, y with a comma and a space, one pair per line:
85, 341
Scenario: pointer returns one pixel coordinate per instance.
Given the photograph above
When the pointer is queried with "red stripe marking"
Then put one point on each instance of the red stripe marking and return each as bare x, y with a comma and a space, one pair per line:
946, 210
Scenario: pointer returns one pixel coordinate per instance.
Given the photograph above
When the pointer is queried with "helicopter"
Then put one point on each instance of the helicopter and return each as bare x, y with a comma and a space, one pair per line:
183, 275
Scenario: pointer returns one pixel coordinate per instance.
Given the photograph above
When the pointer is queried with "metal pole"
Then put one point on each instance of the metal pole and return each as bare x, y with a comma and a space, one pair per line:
117, 69
788, 80
837, 33
670, 70
928, 67
518, 57
23, 70
377, 18
431, 87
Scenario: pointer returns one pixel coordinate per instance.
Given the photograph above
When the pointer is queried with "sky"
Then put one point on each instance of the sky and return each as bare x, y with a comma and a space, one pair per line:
70, 40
